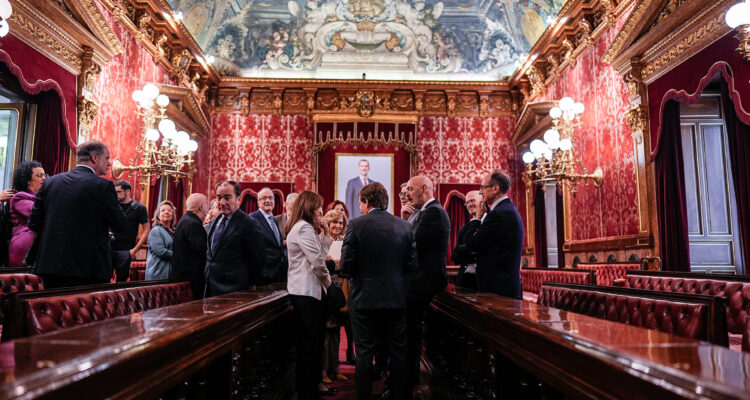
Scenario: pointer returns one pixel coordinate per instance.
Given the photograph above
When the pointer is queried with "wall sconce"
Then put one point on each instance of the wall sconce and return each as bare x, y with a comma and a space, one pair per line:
738, 18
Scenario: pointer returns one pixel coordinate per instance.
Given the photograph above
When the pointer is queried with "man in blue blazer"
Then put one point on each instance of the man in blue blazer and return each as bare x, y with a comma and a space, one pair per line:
496, 236
274, 266
72, 216
354, 185
235, 246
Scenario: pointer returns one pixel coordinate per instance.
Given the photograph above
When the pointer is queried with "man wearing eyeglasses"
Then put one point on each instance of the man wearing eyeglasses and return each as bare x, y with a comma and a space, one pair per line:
126, 244
495, 234
275, 262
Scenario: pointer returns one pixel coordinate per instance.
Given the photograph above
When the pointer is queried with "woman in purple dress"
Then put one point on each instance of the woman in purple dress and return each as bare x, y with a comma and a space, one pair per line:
27, 180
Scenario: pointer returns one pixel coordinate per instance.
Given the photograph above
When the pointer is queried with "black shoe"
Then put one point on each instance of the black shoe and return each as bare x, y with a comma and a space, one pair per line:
329, 392
386, 395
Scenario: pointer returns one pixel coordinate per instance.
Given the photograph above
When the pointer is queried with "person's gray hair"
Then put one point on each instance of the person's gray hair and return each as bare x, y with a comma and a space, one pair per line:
87, 149
291, 196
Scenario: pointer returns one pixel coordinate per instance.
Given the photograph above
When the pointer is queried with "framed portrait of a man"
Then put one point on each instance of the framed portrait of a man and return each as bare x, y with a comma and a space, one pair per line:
354, 171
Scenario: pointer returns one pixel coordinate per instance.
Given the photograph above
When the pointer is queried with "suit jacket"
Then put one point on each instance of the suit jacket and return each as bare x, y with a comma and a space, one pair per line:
497, 242
281, 223
274, 266
432, 229
73, 212
461, 255
189, 253
236, 262
379, 254
353, 186
308, 274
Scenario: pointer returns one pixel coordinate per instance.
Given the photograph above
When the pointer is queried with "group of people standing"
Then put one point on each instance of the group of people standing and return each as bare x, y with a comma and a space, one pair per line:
78, 227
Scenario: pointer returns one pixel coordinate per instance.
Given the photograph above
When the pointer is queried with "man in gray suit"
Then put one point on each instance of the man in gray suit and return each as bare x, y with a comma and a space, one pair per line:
282, 218
235, 246
354, 185
379, 254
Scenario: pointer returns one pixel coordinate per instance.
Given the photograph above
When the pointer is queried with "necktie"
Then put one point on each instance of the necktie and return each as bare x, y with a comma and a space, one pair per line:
274, 228
413, 218
217, 232
364, 182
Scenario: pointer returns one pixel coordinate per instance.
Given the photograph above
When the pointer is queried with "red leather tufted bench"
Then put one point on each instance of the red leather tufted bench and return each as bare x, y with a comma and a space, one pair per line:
606, 273
137, 271
47, 314
692, 316
735, 290
12, 283
532, 278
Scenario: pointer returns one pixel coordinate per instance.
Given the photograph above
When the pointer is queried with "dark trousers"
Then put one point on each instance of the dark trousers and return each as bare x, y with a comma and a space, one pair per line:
121, 264
416, 306
57, 281
309, 316
369, 326
465, 280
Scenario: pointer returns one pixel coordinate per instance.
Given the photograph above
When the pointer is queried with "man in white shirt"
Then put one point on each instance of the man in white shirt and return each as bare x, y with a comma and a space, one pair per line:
354, 185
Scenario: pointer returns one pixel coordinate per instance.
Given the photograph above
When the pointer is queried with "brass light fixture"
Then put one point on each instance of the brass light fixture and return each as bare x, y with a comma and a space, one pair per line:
173, 156
554, 159
738, 18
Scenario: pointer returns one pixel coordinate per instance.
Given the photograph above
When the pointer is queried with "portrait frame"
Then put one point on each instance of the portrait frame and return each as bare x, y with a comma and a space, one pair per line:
381, 166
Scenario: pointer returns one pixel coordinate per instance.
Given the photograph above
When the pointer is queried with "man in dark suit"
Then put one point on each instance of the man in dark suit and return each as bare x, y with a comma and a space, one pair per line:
235, 246
379, 254
461, 255
190, 245
496, 235
73, 213
281, 219
431, 227
354, 185
274, 266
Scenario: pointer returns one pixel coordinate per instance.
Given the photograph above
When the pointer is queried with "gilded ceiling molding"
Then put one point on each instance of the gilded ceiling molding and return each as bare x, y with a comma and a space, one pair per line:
633, 22
45, 37
99, 24
185, 101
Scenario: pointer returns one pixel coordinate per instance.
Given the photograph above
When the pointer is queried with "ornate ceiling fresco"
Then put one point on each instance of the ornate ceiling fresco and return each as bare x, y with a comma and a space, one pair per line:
386, 39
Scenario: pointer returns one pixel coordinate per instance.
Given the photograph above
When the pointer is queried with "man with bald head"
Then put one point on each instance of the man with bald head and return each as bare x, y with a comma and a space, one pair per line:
190, 245
275, 265
463, 256
431, 228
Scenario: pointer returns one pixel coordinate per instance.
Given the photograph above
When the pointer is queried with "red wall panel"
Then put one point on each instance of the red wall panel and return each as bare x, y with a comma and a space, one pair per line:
603, 140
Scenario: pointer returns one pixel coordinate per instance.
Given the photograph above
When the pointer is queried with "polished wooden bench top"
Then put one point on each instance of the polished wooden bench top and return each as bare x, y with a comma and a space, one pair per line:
137, 348
577, 343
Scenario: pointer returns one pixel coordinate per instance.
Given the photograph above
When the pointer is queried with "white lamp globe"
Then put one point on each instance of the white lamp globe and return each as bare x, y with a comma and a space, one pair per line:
551, 136
566, 144
548, 154
555, 112
566, 103
5, 9
528, 157
578, 108
193, 146
166, 126
537, 147
738, 14
151, 91
569, 115
137, 96
162, 100
182, 150
181, 138
152, 134
4, 28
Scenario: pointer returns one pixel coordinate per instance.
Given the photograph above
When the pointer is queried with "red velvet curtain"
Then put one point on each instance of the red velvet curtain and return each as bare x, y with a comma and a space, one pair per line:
739, 156
278, 205
670, 193
458, 216
153, 200
177, 196
250, 202
50, 144
540, 229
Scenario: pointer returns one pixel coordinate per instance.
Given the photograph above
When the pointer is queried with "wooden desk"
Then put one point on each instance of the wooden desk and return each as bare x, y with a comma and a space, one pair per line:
226, 344
488, 345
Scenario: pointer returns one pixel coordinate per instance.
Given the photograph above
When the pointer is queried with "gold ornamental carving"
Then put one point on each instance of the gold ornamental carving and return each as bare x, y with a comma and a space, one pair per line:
743, 36
87, 111
366, 8
637, 119
109, 35
704, 34
626, 31
40, 35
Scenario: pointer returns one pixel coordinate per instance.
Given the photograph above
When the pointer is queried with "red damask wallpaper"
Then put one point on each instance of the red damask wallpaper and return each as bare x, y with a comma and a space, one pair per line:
255, 148
116, 124
604, 140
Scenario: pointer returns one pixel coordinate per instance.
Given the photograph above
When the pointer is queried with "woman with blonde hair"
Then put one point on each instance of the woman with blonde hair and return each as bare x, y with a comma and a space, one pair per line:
308, 279
336, 220
159, 256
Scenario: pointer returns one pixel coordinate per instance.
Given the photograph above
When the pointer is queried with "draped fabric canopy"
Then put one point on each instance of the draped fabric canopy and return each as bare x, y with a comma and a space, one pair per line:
458, 216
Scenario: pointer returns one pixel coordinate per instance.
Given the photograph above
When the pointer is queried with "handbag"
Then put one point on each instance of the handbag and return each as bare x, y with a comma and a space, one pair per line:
335, 298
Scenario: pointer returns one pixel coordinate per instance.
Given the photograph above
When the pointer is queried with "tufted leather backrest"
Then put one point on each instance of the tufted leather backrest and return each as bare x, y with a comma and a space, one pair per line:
680, 318
531, 279
47, 314
737, 294
12, 283
607, 273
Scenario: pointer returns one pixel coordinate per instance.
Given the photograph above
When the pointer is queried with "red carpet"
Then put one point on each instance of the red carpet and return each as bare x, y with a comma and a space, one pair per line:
346, 388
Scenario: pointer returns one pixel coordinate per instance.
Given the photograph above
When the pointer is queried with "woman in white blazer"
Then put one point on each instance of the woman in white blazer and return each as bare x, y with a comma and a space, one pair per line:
308, 279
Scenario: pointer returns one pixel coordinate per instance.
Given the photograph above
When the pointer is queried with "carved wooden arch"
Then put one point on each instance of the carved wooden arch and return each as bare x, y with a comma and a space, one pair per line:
450, 195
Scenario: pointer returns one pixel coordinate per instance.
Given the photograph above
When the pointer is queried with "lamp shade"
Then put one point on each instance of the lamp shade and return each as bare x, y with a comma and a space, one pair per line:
150, 91
167, 127
566, 144
193, 146
162, 100
551, 135
137, 96
537, 147
4, 28
5, 9
555, 112
181, 139
578, 108
738, 14
566, 103
528, 157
